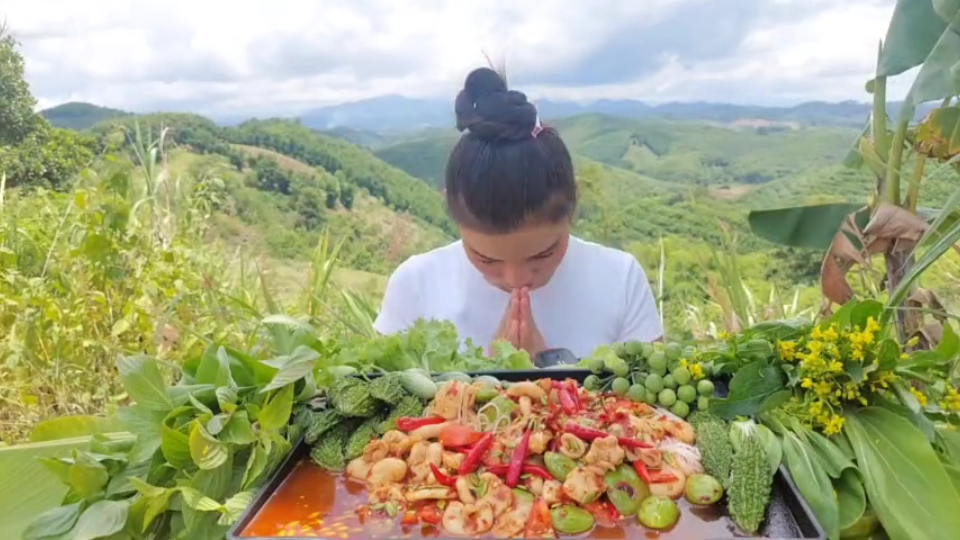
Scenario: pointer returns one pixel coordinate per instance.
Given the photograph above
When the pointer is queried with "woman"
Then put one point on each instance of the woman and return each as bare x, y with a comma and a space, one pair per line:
518, 274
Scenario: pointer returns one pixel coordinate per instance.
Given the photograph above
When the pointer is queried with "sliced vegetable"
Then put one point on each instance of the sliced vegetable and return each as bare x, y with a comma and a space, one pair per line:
559, 465
455, 435
571, 519
485, 394
625, 489
540, 522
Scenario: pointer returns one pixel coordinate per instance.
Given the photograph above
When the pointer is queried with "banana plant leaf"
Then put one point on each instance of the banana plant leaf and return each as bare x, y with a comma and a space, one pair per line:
906, 483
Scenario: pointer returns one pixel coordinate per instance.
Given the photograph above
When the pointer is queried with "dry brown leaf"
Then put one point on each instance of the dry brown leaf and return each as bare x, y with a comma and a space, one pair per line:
930, 336
840, 257
925, 299
896, 224
833, 279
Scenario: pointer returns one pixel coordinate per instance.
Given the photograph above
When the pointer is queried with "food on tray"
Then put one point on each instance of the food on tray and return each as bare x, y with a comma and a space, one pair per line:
532, 458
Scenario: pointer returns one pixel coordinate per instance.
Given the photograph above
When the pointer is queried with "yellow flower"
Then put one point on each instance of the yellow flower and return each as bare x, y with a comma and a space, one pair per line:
723, 335
834, 425
872, 325
816, 333
816, 407
830, 334
788, 350
912, 342
696, 371
904, 356
920, 397
807, 383
835, 366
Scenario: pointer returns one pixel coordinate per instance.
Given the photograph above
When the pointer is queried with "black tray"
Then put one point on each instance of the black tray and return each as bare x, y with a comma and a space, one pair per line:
788, 515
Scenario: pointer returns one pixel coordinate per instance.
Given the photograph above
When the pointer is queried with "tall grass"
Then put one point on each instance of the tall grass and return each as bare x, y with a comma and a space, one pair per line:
122, 264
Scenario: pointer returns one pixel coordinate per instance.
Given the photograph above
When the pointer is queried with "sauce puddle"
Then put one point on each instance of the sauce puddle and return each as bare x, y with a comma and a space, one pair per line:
312, 503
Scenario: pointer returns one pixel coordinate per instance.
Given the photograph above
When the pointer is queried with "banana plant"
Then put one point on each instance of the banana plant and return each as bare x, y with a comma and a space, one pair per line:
891, 224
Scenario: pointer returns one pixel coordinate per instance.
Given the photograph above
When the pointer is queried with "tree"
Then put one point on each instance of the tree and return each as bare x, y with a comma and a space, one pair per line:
17, 118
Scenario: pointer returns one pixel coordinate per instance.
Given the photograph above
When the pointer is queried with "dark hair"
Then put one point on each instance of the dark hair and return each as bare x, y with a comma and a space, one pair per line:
502, 174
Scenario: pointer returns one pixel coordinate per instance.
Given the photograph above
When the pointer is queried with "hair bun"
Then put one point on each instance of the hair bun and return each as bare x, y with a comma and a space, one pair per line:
492, 112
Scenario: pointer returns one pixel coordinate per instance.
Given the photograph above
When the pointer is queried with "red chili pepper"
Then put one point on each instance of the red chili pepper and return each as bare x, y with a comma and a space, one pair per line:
641, 469
498, 470
566, 401
475, 455
516, 461
537, 470
662, 478
527, 468
409, 424
443, 479
410, 517
575, 394
633, 443
590, 434
583, 432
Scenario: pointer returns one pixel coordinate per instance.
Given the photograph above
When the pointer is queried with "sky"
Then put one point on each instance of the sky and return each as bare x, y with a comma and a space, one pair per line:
264, 57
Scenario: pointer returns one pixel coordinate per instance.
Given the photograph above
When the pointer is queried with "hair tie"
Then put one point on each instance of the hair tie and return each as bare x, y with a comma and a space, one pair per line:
537, 127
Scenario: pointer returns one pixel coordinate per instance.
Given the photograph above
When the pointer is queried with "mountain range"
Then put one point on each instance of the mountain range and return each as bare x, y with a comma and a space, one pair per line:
389, 116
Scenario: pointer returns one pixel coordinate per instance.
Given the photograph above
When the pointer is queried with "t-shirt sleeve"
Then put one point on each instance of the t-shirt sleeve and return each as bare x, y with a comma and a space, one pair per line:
641, 321
401, 300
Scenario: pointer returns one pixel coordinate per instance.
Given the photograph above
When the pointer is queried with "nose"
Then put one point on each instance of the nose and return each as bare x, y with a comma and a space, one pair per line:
516, 276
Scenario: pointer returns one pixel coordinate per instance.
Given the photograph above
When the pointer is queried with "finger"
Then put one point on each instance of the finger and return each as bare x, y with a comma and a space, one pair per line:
525, 310
524, 333
514, 333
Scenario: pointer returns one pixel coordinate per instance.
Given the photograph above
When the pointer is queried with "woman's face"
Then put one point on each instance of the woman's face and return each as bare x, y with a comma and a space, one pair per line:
527, 257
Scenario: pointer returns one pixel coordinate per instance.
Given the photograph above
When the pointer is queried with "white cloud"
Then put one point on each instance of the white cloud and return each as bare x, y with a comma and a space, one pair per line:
283, 56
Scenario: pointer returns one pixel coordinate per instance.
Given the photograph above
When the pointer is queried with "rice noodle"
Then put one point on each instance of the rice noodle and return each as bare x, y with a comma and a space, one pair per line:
681, 455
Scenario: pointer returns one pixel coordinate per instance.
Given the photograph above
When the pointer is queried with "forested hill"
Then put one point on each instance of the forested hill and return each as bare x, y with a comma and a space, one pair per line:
351, 166
78, 115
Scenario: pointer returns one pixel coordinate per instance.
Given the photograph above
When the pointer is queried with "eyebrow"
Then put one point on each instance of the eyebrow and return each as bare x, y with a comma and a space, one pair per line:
552, 247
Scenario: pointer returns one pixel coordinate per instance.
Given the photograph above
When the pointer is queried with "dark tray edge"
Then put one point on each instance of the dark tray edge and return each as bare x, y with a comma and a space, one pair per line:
799, 509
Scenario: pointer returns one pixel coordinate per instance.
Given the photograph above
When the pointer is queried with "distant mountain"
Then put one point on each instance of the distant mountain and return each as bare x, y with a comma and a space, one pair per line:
79, 116
360, 137
381, 114
396, 113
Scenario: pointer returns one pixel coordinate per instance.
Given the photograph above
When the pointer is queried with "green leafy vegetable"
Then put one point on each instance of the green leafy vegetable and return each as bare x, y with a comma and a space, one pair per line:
906, 484
813, 483
755, 388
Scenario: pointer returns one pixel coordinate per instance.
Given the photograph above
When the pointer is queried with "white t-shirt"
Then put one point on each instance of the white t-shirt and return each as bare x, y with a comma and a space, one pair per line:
598, 295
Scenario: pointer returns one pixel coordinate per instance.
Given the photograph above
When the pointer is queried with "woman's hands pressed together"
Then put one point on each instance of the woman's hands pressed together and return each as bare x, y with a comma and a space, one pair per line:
517, 325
